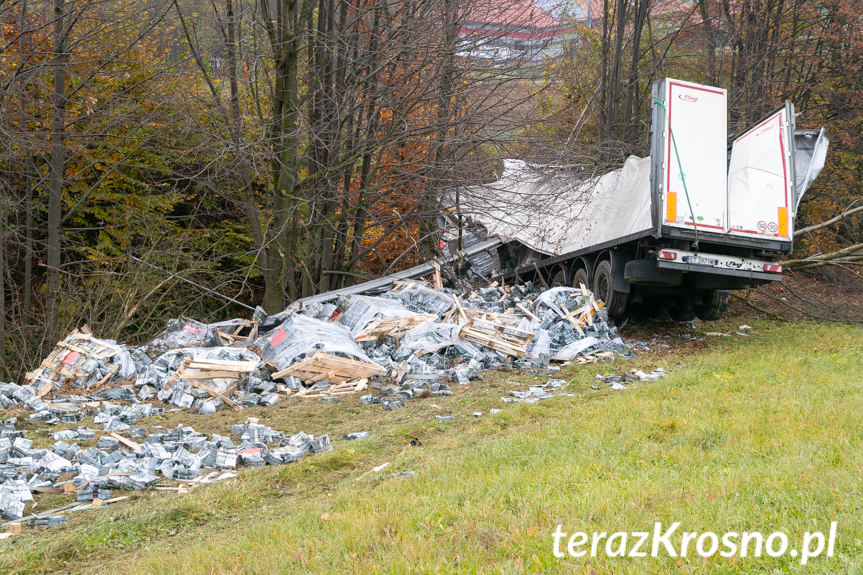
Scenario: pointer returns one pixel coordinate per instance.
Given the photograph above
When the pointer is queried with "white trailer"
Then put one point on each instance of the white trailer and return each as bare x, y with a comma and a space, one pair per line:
704, 214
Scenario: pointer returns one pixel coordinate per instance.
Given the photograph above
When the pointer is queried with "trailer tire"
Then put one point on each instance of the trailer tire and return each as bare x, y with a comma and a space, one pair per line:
647, 273
579, 278
603, 288
683, 312
715, 303
557, 277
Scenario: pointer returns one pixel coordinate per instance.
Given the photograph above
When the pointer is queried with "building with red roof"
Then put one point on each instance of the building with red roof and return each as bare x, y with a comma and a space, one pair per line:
502, 30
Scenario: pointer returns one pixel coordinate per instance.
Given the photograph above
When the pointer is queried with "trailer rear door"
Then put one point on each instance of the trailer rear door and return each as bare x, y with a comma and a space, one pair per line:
761, 178
691, 167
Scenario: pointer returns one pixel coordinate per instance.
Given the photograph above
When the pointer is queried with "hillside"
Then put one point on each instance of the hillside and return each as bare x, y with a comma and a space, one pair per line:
758, 432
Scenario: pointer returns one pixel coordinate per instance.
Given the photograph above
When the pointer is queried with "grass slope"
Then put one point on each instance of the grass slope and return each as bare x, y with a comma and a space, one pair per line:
761, 433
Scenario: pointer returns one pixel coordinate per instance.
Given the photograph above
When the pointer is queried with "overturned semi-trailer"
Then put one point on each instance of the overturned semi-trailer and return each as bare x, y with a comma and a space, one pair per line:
704, 214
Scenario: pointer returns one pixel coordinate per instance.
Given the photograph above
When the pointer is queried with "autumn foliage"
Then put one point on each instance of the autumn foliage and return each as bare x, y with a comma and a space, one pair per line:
268, 149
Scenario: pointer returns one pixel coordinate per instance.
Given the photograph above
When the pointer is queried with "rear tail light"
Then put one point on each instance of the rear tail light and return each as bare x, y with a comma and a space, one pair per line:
774, 268
667, 255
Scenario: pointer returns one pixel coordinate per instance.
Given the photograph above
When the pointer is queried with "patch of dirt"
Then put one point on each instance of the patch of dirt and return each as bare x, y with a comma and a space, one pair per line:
829, 294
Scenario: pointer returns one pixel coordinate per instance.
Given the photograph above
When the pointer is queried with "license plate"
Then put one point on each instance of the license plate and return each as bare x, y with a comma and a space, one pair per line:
699, 260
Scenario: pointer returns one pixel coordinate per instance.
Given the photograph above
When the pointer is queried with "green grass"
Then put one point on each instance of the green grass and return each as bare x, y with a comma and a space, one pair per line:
761, 433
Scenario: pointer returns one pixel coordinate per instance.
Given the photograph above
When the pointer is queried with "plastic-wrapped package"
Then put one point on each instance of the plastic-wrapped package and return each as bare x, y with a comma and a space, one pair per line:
179, 333
83, 361
433, 337
557, 298
321, 311
156, 374
541, 345
190, 333
422, 299
360, 311
300, 336
576, 348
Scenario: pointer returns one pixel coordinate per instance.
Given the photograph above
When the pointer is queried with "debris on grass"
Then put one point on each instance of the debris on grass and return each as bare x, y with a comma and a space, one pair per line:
411, 342
618, 381
413, 337
117, 462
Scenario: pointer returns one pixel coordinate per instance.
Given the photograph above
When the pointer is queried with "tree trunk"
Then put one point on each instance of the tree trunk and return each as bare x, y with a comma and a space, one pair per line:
284, 33
710, 37
57, 164
4, 372
603, 74
236, 125
29, 168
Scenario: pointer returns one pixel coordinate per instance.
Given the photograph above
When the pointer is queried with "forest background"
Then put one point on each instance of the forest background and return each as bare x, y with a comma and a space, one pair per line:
270, 149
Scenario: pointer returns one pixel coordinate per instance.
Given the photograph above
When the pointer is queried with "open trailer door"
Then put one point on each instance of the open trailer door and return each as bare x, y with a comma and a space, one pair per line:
761, 178
689, 152
810, 154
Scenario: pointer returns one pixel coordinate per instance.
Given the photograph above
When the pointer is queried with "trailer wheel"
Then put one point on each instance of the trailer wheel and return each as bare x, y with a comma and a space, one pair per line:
603, 288
682, 312
715, 303
558, 278
579, 278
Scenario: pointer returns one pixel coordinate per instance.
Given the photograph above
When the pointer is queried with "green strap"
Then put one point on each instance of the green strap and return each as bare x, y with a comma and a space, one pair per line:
682, 176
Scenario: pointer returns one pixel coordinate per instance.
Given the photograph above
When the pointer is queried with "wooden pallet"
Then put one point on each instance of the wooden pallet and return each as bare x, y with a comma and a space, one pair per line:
392, 327
335, 369
221, 371
348, 387
498, 336
61, 365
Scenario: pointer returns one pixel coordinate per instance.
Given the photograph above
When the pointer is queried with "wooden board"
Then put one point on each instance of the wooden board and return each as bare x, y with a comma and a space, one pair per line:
498, 336
334, 368
391, 326
235, 406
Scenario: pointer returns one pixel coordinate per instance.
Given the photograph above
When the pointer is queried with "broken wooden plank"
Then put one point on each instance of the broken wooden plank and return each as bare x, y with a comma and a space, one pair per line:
312, 368
234, 405
461, 311
45, 389
224, 365
527, 312
392, 327
134, 446
177, 374
212, 374
108, 375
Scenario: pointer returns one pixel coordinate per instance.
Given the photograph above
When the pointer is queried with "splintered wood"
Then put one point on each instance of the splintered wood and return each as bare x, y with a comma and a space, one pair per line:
498, 336
214, 369
223, 376
348, 387
583, 316
64, 363
246, 331
392, 327
326, 367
